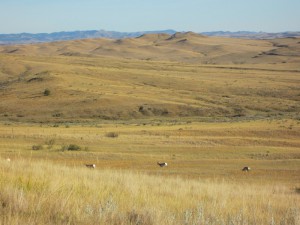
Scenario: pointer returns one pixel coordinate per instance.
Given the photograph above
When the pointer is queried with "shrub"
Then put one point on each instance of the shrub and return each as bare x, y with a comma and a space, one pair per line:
64, 148
73, 147
112, 135
50, 143
57, 114
37, 147
47, 92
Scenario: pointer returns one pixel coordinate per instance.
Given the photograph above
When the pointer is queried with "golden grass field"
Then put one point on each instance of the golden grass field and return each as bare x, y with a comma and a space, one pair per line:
207, 106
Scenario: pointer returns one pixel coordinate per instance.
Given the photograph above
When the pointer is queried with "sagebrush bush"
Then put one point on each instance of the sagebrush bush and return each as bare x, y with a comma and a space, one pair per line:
47, 92
50, 143
112, 135
73, 147
37, 147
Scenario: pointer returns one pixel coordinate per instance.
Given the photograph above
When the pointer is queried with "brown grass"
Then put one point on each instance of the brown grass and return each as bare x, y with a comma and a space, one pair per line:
237, 106
43, 193
181, 47
192, 149
93, 89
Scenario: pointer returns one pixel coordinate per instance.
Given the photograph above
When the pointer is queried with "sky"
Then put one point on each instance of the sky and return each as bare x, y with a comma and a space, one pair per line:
46, 16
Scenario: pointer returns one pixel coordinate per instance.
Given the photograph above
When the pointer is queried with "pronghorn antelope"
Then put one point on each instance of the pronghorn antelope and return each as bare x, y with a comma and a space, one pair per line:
163, 164
246, 169
92, 166
8, 159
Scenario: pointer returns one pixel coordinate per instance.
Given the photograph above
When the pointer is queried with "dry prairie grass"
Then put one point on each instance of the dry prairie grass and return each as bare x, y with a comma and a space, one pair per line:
43, 193
109, 79
207, 121
89, 89
181, 47
192, 149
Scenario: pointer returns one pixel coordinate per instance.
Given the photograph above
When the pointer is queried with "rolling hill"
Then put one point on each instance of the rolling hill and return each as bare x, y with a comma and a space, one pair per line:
181, 47
208, 106
183, 75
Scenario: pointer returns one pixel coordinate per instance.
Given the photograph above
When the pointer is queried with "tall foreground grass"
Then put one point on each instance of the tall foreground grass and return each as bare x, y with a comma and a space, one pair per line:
46, 193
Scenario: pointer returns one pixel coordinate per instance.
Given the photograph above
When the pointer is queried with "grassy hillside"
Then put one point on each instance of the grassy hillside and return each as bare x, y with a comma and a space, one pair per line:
93, 88
180, 47
206, 106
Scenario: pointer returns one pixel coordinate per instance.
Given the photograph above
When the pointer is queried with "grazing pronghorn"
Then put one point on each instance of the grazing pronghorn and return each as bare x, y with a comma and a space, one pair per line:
92, 166
163, 164
246, 169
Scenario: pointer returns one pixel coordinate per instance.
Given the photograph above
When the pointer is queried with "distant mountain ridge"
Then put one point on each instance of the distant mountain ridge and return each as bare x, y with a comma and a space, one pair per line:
252, 35
27, 38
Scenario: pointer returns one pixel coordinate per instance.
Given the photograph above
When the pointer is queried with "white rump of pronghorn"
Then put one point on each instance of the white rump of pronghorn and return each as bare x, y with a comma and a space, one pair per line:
246, 168
162, 164
92, 166
8, 159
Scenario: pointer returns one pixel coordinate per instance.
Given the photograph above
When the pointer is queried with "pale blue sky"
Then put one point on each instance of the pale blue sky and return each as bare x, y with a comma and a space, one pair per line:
37, 16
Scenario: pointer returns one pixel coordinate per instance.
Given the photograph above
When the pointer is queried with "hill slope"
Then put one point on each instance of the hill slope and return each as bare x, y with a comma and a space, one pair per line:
154, 75
183, 47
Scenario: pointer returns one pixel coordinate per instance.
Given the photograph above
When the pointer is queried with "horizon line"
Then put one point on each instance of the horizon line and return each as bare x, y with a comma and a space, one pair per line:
229, 31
